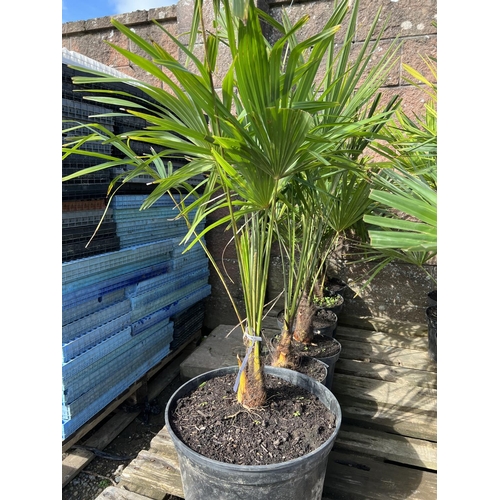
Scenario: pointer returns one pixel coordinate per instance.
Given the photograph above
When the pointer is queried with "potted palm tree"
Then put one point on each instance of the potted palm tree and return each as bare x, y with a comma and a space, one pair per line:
325, 201
266, 129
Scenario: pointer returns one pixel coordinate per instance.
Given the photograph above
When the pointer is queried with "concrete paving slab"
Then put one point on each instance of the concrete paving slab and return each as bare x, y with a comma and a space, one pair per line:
217, 350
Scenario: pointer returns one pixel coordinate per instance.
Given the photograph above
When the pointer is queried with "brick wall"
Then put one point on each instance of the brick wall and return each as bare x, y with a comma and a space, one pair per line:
400, 291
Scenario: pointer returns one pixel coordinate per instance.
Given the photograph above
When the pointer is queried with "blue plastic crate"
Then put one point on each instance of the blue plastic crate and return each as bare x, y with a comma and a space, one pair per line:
94, 303
190, 298
122, 215
95, 265
195, 254
171, 278
150, 320
112, 373
82, 344
135, 201
113, 274
87, 371
85, 218
90, 293
148, 303
104, 350
72, 425
77, 328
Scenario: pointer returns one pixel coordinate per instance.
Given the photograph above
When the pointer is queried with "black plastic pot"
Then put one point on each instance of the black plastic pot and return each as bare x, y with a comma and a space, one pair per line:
298, 479
334, 286
329, 329
432, 298
323, 378
431, 314
304, 361
330, 361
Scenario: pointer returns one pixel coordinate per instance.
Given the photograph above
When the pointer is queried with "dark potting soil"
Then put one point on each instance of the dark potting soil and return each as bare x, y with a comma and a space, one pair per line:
310, 367
292, 423
324, 318
321, 347
307, 365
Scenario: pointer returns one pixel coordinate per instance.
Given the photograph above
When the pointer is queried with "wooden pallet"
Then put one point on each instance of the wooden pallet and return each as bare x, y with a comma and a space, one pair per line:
387, 445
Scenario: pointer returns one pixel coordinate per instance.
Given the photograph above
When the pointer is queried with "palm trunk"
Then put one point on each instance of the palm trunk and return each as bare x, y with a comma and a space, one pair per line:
283, 357
251, 389
304, 327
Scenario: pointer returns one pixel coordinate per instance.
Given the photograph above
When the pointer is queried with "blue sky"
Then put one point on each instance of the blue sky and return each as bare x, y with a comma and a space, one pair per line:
81, 10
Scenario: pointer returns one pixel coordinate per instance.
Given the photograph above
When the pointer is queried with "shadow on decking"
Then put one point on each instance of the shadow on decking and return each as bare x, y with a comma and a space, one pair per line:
386, 385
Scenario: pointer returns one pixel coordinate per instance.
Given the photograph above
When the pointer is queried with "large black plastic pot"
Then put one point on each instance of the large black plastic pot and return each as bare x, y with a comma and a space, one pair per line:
298, 479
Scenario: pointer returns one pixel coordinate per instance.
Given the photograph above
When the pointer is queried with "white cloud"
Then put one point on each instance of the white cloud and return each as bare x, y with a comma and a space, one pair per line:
125, 6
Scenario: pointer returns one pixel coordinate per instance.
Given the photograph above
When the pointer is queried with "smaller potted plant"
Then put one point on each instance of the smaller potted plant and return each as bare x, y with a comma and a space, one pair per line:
334, 286
334, 303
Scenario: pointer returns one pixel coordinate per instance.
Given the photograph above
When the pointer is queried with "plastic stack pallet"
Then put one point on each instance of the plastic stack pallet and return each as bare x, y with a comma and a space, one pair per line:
135, 226
78, 238
84, 198
120, 290
117, 310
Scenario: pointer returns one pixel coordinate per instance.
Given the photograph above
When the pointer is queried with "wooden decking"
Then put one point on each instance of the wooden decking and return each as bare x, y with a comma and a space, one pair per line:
386, 448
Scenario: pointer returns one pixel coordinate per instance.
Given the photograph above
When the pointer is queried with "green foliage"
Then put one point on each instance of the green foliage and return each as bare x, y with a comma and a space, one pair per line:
328, 301
279, 147
403, 223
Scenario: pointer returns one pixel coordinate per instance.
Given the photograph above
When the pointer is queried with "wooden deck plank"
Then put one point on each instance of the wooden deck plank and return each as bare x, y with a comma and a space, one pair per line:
163, 444
387, 373
151, 475
394, 339
387, 325
399, 396
116, 493
415, 424
78, 459
387, 355
404, 450
353, 477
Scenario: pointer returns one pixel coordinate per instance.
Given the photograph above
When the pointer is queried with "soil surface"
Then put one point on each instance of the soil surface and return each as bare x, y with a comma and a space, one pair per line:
211, 422
312, 367
307, 365
334, 286
324, 318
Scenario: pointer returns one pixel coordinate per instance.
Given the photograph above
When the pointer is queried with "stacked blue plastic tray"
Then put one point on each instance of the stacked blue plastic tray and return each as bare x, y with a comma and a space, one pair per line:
117, 313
